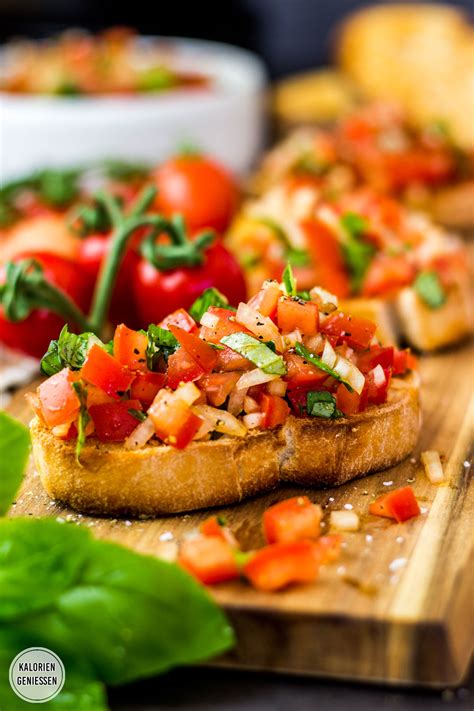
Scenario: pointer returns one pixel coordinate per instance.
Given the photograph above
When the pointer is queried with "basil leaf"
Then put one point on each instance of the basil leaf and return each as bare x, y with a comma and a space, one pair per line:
58, 187
69, 351
296, 257
83, 418
316, 360
257, 352
304, 295
209, 297
320, 403
289, 280
161, 344
355, 224
430, 290
14, 450
357, 253
137, 414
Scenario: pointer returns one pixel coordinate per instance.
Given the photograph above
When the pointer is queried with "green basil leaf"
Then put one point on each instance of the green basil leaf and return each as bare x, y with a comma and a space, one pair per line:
137, 414
289, 281
58, 187
430, 290
257, 352
298, 257
161, 344
295, 257
14, 450
320, 403
356, 251
69, 351
209, 297
316, 360
83, 418
305, 295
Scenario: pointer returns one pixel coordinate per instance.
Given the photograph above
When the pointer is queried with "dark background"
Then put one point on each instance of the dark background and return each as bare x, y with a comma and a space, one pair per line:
289, 35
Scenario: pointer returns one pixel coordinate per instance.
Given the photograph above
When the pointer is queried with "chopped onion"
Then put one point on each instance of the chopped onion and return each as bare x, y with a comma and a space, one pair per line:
261, 326
315, 343
209, 320
433, 467
379, 375
188, 392
277, 387
140, 435
323, 298
289, 339
250, 405
329, 355
222, 421
254, 377
344, 520
350, 374
253, 420
204, 429
235, 404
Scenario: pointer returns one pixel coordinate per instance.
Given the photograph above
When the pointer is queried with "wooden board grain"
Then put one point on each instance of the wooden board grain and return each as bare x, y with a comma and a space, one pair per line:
398, 605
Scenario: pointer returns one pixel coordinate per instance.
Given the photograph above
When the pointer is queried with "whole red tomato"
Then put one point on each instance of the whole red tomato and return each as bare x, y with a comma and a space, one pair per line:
158, 293
198, 188
32, 336
91, 253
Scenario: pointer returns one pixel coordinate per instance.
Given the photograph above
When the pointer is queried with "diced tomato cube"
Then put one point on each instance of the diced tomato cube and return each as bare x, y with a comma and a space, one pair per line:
281, 564
174, 421
218, 386
387, 273
228, 360
96, 396
292, 313
301, 374
145, 386
113, 421
58, 400
101, 369
377, 392
292, 520
204, 354
376, 355
215, 526
356, 331
400, 505
275, 409
328, 548
130, 347
329, 265
225, 325
182, 368
180, 318
210, 559
266, 300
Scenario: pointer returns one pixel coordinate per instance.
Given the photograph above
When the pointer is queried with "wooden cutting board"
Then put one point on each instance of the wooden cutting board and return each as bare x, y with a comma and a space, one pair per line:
398, 605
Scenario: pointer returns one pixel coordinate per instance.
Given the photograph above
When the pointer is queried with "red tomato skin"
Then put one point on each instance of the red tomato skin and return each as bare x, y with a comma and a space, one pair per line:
210, 559
292, 520
101, 369
329, 267
58, 400
281, 564
158, 293
174, 421
293, 314
212, 527
275, 409
204, 355
228, 360
377, 394
218, 386
182, 368
350, 402
145, 386
356, 331
387, 274
113, 421
224, 327
198, 188
377, 355
130, 348
400, 505
180, 318
33, 335
302, 375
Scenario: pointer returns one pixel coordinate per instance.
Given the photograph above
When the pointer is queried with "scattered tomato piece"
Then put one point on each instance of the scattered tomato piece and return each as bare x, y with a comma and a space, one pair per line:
210, 559
216, 526
400, 505
292, 520
281, 564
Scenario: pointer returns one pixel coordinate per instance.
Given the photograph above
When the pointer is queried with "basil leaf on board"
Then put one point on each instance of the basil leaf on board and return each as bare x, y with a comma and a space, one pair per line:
430, 290
14, 450
257, 352
316, 360
68, 351
289, 281
356, 251
161, 344
209, 297
320, 403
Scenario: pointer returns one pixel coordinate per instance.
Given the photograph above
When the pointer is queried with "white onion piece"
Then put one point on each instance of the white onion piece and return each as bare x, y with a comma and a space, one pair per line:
350, 374
188, 392
315, 343
323, 297
261, 326
277, 387
235, 404
291, 338
254, 377
222, 421
253, 420
209, 320
433, 467
378, 375
140, 435
250, 405
344, 520
206, 427
329, 355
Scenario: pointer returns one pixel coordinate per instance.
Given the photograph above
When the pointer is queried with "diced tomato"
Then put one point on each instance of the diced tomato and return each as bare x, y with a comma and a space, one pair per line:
403, 361
376, 355
281, 564
387, 273
417, 165
275, 409
356, 331
210, 559
204, 354
377, 393
218, 386
113, 421
96, 396
180, 318
174, 421
350, 402
101, 369
323, 245
328, 548
224, 327
130, 348
400, 505
182, 368
215, 526
266, 300
293, 314
292, 520
228, 360
145, 386
301, 374
58, 399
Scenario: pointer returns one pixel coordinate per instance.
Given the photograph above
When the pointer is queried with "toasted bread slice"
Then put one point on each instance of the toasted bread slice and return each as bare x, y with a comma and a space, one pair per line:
159, 479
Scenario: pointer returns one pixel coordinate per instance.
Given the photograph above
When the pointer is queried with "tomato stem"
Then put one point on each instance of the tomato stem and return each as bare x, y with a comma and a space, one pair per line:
181, 252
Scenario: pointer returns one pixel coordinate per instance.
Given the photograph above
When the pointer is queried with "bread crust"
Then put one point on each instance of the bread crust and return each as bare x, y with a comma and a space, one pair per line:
159, 479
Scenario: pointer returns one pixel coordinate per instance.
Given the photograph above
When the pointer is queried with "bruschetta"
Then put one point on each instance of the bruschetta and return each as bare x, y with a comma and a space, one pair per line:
384, 261
208, 409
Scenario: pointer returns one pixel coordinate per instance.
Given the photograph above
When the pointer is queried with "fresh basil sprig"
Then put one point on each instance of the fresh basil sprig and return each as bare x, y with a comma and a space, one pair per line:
289, 281
161, 344
69, 351
320, 403
430, 290
209, 297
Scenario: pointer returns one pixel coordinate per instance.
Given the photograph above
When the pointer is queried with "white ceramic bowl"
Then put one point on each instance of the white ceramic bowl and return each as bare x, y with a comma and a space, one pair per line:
226, 120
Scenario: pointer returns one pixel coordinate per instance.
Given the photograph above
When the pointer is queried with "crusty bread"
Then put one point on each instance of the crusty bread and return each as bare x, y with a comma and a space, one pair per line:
161, 480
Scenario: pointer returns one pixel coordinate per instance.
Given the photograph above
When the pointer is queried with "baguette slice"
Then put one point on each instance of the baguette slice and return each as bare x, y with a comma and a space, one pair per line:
159, 479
